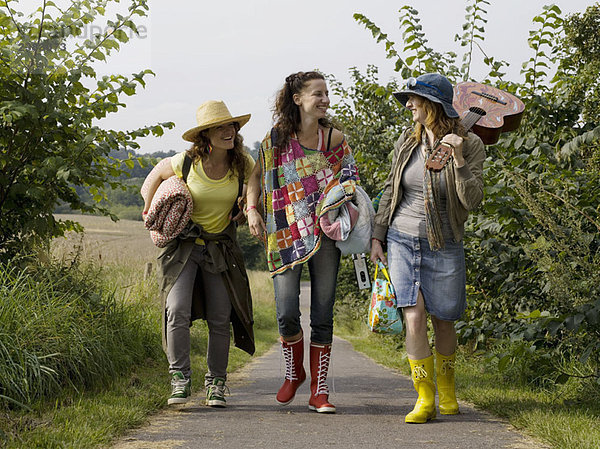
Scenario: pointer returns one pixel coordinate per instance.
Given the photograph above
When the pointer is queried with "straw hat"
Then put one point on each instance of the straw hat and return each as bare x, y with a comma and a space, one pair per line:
210, 114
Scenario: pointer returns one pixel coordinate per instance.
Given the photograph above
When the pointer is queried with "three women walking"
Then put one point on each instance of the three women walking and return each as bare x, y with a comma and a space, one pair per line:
305, 168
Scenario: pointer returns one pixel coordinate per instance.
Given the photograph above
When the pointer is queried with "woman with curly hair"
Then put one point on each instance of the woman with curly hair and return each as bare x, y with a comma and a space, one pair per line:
421, 218
306, 168
202, 270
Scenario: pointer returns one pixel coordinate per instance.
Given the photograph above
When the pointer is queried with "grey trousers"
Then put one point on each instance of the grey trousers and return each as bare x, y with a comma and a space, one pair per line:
218, 313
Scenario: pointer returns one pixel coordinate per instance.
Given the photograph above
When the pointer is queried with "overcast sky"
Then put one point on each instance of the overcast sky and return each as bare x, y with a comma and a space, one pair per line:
240, 51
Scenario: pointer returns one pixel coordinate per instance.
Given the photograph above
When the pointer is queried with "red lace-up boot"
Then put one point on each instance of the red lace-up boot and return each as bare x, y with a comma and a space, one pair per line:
320, 356
293, 354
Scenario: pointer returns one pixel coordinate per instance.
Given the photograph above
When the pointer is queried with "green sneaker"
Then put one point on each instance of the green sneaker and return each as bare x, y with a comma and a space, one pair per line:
181, 389
215, 393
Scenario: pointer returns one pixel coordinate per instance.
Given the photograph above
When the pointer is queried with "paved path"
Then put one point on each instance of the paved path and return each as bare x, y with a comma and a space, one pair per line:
371, 401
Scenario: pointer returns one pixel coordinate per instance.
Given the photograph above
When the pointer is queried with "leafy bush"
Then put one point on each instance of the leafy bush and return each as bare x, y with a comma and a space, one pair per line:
51, 100
533, 247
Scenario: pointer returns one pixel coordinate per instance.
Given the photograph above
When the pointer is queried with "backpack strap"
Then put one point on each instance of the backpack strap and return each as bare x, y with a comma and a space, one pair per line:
240, 185
236, 209
273, 136
329, 138
187, 164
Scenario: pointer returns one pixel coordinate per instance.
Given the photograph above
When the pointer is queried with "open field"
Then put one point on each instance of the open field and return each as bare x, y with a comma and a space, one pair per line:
125, 248
105, 241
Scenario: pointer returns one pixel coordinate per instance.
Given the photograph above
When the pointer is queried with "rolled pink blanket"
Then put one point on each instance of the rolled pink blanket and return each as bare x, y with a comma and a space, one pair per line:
170, 209
337, 226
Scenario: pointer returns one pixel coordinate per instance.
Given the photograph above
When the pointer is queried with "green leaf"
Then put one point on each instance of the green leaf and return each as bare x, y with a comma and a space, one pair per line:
110, 44
586, 353
503, 362
121, 36
97, 54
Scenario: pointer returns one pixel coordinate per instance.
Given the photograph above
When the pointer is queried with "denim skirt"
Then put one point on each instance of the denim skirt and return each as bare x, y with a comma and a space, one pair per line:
440, 275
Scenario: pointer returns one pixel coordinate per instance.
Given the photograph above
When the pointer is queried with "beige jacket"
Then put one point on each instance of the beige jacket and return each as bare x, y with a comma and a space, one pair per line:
464, 185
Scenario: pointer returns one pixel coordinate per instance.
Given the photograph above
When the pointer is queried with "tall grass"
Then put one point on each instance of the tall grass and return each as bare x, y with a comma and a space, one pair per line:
61, 328
80, 340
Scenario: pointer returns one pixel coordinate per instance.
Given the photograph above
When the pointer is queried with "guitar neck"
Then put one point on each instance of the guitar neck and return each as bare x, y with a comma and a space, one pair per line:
472, 117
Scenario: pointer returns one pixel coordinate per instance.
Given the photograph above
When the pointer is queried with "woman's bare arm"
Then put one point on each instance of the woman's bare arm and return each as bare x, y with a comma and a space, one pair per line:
165, 173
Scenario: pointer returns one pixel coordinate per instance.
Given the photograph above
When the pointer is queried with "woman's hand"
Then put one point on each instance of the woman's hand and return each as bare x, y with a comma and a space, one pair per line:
256, 224
456, 143
377, 252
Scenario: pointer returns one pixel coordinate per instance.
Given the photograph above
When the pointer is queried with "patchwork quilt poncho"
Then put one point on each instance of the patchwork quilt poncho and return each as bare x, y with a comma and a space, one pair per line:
299, 186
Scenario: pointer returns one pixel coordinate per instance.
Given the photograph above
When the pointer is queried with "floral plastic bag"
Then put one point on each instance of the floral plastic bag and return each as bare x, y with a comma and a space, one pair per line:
384, 317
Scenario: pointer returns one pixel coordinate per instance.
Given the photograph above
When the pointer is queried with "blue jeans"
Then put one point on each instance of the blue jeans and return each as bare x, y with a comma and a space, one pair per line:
323, 268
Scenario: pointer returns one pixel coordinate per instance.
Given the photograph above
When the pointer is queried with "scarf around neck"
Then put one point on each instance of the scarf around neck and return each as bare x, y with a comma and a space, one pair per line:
431, 193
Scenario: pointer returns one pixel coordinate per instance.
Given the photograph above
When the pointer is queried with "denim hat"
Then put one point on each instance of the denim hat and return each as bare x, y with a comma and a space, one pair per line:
432, 86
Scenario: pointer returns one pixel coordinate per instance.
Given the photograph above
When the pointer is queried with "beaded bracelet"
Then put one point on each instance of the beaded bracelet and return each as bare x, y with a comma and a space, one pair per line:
249, 208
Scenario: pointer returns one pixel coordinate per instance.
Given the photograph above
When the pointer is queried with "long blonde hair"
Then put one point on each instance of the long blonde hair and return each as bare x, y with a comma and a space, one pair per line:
438, 122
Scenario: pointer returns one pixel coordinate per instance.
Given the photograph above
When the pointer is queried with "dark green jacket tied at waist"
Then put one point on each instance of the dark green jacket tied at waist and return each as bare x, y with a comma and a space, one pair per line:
225, 257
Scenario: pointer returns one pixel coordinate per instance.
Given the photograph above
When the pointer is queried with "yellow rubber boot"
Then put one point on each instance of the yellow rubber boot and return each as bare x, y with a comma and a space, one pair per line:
422, 376
445, 383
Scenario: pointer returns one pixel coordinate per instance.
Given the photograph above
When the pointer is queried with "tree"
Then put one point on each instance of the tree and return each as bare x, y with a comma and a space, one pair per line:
533, 247
371, 121
50, 96
254, 150
581, 62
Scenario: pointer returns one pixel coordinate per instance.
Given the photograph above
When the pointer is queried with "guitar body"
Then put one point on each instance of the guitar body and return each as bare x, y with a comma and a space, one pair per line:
499, 111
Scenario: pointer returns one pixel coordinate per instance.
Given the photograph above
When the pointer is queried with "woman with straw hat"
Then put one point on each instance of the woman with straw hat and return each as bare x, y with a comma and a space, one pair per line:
306, 170
202, 270
421, 217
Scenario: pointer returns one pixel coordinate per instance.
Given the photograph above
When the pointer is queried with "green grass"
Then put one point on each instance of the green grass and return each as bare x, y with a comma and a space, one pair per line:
80, 342
108, 393
93, 419
561, 416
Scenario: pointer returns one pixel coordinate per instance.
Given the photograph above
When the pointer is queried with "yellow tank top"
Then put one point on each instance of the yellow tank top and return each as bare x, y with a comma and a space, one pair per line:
213, 198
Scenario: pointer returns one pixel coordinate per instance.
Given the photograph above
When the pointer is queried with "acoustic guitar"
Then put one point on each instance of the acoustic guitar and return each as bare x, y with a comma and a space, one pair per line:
485, 110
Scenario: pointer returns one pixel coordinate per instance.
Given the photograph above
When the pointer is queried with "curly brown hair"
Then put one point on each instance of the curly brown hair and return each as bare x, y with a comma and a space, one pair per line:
237, 160
438, 122
286, 113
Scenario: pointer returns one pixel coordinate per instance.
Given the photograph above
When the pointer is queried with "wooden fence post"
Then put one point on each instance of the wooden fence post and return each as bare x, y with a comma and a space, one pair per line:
147, 270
